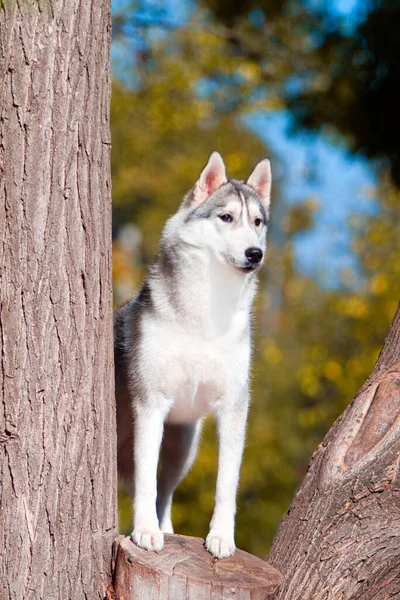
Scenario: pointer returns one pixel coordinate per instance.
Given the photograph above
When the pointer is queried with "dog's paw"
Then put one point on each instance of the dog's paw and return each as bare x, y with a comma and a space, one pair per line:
148, 539
219, 545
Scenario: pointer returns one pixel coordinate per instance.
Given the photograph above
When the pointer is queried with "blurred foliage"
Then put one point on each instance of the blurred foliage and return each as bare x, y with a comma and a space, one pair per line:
360, 94
313, 346
348, 80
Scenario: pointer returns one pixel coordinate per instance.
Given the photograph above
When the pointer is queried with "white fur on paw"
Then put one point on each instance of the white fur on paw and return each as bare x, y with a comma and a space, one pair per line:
148, 539
220, 546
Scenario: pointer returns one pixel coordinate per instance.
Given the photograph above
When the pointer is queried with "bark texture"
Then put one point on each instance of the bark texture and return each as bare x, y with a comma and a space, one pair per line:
184, 570
340, 539
58, 514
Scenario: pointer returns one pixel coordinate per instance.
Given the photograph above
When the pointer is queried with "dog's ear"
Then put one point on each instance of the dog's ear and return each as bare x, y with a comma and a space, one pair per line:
211, 178
260, 180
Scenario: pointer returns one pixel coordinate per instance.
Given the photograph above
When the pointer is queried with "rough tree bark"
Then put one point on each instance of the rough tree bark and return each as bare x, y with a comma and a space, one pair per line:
57, 423
341, 537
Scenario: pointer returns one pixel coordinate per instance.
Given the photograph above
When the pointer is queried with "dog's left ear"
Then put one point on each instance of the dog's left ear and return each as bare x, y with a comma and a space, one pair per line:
260, 180
211, 178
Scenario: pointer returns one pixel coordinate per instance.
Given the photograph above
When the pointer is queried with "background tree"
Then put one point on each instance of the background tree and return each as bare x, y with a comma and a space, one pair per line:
359, 96
328, 74
57, 418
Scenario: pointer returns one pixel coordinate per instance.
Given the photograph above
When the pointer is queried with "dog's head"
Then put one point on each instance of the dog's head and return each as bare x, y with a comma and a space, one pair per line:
229, 217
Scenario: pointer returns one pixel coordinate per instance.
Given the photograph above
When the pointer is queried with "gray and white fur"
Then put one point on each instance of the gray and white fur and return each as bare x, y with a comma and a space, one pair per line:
182, 349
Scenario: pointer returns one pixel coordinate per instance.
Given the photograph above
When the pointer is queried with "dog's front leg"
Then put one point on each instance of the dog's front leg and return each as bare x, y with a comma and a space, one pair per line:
231, 424
149, 422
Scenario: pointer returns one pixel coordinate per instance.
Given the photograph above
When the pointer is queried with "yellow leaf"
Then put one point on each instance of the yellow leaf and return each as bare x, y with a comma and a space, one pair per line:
332, 370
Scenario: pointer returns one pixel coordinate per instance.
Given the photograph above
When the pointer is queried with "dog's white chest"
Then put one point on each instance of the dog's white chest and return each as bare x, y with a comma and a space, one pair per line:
193, 377
193, 374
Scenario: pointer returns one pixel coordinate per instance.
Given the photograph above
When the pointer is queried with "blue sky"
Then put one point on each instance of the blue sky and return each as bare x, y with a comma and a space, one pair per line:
309, 166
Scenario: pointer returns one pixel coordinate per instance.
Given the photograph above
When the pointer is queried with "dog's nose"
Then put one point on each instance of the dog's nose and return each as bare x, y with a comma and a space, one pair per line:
254, 255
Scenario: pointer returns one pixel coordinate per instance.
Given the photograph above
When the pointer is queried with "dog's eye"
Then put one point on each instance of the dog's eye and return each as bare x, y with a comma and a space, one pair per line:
257, 222
226, 218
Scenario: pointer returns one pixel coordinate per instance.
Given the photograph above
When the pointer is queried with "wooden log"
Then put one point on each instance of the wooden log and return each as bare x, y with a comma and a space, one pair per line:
184, 570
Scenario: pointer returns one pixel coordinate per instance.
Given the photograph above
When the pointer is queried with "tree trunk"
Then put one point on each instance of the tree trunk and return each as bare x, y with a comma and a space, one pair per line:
58, 510
341, 537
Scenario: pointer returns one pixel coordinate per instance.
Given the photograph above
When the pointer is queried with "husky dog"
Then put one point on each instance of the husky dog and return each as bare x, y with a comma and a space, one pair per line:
182, 349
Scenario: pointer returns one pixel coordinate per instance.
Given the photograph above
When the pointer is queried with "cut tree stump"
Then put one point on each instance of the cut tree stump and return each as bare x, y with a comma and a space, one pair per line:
184, 570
